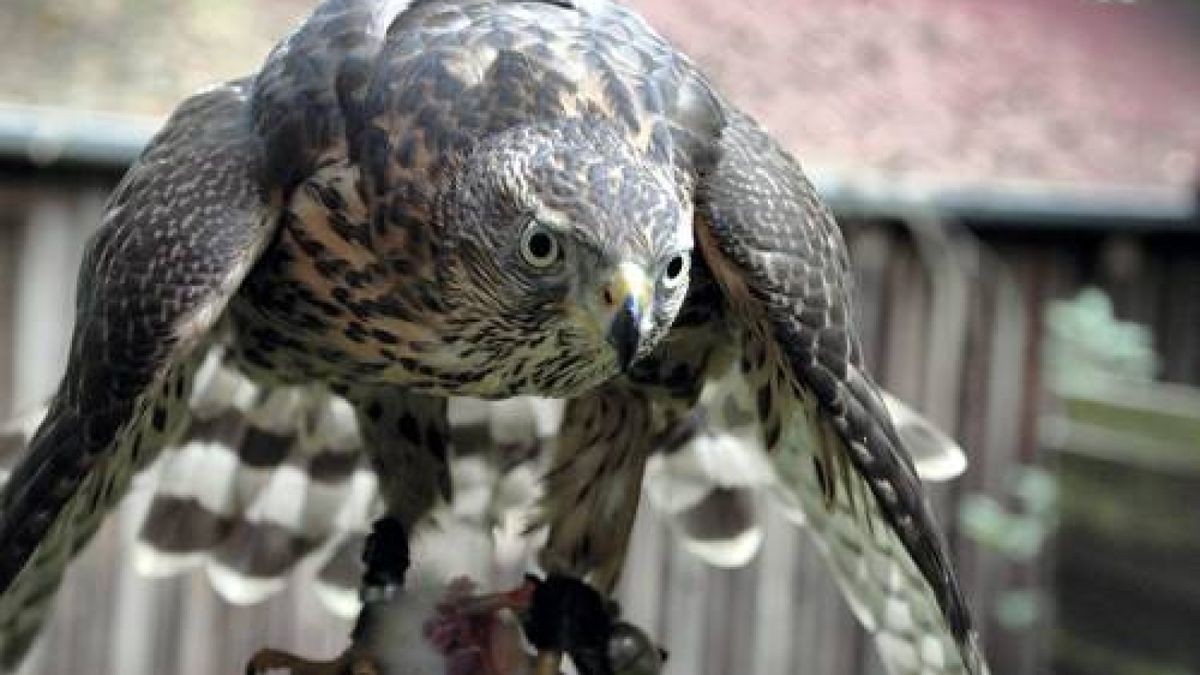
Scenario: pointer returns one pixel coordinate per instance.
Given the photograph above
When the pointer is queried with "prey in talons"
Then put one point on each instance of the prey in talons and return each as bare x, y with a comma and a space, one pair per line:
462, 632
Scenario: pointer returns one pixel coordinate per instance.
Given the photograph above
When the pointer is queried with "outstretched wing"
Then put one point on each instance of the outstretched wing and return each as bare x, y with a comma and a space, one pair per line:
179, 235
781, 262
709, 475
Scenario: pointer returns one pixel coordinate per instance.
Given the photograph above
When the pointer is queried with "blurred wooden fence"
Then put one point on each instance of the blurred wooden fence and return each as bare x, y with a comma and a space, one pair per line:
952, 290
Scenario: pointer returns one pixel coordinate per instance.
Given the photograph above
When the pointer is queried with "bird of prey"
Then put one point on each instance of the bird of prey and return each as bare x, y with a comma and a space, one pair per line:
412, 201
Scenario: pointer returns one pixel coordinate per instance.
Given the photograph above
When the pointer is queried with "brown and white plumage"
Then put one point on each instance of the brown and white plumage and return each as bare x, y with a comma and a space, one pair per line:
781, 262
154, 281
712, 478
413, 201
251, 494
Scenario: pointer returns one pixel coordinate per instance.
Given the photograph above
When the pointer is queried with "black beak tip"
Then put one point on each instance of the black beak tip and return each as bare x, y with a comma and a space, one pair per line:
624, 335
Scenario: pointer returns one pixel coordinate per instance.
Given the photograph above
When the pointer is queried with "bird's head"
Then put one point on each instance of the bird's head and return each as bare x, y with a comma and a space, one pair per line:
567, 254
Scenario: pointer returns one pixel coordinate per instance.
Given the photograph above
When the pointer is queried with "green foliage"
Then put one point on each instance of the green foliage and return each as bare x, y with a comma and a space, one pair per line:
1018, 533
1086, 345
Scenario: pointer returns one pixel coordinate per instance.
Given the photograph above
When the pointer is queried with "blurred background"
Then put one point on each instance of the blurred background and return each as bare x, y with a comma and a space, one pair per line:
1018, 182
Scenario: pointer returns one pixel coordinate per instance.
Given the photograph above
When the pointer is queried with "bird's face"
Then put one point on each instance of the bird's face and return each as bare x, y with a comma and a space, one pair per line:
567, 257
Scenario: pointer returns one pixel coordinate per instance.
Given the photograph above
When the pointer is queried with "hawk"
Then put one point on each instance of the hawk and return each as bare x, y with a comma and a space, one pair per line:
413, 201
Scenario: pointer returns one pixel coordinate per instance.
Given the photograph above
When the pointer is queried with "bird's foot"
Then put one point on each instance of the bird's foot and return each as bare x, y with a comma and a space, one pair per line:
560, 616
274, 660
567, 616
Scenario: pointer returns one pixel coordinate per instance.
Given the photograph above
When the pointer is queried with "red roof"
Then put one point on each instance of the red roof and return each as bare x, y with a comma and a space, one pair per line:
1078, 91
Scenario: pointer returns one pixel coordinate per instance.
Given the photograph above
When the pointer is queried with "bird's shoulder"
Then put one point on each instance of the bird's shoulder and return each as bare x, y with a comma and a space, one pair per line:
442, 73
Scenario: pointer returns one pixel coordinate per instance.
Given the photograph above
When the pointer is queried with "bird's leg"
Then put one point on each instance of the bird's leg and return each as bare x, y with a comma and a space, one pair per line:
406, 438
386, 559
589, 505
386, 554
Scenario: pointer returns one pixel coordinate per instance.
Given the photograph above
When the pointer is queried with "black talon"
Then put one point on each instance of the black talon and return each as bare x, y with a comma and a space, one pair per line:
589, 661
632, 652
386, 554
567, 615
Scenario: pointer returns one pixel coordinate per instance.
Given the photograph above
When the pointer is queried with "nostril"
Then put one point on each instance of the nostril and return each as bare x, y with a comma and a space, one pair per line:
608, 297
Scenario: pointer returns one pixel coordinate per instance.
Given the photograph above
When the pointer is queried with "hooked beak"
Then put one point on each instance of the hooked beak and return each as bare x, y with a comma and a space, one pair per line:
626, 297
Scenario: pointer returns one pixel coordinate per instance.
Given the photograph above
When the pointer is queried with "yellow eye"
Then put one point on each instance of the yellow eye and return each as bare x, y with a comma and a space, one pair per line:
539, 246
676, 269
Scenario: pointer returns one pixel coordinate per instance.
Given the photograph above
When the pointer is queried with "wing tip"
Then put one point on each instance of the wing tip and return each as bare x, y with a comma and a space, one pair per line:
943, 468
969, 646
937, 457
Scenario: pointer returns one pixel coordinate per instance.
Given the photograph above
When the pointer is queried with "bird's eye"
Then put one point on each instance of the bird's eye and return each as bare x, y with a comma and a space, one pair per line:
539, 246
676, 270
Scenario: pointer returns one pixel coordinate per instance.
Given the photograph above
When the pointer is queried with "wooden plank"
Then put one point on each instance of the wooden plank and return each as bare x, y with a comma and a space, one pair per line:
1177, 334
1032, 642
721, 616
1001, 446
197, 652
684, 615
742, 632
776, 639
905, 335
827, 639
973, 430
641, 588
1125, 270
950, 261
9, 226
44, 304
140, 620
40, 329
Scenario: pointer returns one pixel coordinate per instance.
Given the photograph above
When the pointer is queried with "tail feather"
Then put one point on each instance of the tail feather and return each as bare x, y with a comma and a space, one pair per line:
937, 456
177, 536
257, 486
197, 497
724, 529
252, 562
337, 581
284, 480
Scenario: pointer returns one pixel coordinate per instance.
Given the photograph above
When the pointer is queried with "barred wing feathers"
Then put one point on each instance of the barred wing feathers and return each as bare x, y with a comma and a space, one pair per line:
179, 235
782, 265
714, 480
